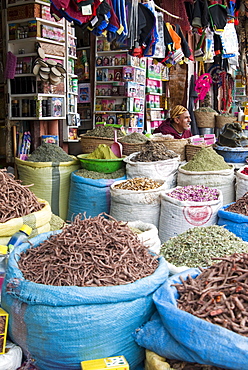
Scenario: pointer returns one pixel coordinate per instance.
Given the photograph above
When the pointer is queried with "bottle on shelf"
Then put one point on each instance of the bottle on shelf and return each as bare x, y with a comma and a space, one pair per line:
19, 237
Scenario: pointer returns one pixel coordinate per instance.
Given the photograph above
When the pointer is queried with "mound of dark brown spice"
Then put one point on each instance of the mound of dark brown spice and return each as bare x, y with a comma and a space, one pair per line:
92, 252
183, 365
153, 152
240, 206
219, 294
16, 200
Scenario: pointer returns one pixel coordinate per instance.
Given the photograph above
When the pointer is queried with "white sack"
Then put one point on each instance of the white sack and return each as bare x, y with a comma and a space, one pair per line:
177, 216
149, 236
241, 183
223, 180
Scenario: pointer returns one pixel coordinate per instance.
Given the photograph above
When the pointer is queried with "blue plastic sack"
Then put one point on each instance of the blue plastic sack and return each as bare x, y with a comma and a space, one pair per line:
62, 326
176, 334
234, 222
89, 195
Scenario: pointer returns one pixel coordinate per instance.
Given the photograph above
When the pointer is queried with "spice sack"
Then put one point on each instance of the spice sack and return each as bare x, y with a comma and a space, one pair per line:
60, 326
177, 216
177, 334
241, 182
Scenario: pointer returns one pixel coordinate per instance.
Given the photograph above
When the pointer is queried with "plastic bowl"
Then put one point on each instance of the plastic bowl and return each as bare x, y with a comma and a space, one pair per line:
100, 165
233, 155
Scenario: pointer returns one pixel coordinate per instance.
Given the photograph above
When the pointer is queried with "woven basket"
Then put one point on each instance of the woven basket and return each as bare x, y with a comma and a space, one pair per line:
205, 119
220, 120
192, 149
90, 143
177, 145
129, 148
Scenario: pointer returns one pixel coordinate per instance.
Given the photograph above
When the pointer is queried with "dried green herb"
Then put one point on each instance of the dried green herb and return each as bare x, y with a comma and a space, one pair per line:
196, 246
134, 137
206, 159
100, 175
48, 152
102, 131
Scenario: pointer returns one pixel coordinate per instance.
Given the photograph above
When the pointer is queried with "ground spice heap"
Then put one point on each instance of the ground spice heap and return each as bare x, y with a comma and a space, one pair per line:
100, 175
91, 252
48, 152
16, 200
196, 246
219, 294
206, 159
152, 152
240, 206
103, 131
134, 138
184, 365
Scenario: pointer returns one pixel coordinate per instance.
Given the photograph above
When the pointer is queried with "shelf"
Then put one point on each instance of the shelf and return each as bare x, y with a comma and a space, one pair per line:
83, 48
41, 20
72, 75
70, 140
24, 75
112, 111
26, 55
35, 39
73, 93
119, 66
72, 57
36, 118
109, 82
112, 96
154, 109
85, 119
21, 95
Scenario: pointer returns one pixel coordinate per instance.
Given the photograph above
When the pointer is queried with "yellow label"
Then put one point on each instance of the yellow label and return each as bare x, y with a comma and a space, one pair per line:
113, 363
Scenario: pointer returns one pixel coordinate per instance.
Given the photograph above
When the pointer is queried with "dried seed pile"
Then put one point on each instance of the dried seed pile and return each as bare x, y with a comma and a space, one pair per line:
153, 152
196, 246
240, 206
91, 252
138, 183
16, 200
219, 294
183, 365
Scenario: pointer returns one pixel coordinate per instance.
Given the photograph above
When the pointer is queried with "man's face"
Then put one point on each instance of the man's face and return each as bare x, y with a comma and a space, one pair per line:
183, 121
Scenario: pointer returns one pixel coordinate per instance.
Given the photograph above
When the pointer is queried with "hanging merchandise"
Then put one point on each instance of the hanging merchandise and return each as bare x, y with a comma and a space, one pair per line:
209, 46
160, 46
200, 16
202, 84
218, 17
229, 41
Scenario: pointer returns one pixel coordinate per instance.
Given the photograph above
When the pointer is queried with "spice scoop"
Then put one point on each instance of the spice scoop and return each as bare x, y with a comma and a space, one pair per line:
116, 147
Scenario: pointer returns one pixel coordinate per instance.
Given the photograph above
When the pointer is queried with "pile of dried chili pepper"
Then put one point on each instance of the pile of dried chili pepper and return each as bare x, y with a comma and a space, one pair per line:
97, 251
16, 200
219, 294
245, 171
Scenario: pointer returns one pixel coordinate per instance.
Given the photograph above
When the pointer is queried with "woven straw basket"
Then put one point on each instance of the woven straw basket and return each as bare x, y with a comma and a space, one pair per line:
205, 119
220, 120
192, 149
129, 148
90, 143
177, 145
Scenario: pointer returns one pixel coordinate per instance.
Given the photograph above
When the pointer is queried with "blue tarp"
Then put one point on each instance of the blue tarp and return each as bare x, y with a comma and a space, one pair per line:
234, 222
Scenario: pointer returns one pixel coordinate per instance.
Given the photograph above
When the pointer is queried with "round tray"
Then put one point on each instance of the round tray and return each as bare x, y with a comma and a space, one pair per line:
100, 165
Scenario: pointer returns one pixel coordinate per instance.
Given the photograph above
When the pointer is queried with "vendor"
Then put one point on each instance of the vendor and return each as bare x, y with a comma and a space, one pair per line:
178, 125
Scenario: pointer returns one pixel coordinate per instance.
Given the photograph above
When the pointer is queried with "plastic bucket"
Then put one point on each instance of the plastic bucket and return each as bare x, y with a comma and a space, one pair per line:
233, 155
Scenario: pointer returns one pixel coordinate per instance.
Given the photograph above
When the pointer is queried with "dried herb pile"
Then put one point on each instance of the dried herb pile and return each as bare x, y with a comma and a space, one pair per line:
219, 294
153, 152
206, 159
16, 200
91, 252
104, 131
100, 175
196, 246
240, 206
138, 183
134, 137
48, 152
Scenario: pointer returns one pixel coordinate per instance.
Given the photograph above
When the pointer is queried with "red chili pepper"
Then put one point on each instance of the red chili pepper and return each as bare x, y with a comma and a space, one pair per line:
245, 171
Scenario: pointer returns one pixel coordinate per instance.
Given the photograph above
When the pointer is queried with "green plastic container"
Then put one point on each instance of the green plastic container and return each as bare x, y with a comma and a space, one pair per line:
100, 165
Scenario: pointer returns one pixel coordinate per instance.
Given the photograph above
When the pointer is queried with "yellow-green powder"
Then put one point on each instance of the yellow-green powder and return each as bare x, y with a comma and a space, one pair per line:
103, 151
206, 159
